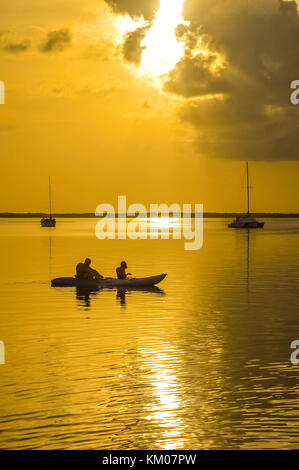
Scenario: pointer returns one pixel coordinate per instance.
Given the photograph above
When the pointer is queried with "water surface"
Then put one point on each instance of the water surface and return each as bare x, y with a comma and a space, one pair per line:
203, 363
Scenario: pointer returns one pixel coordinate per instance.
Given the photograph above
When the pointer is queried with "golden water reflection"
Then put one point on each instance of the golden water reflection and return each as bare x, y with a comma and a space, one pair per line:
202, 363
166, 392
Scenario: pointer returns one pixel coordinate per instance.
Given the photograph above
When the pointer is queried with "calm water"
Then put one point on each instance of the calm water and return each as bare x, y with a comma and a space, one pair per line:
202, 364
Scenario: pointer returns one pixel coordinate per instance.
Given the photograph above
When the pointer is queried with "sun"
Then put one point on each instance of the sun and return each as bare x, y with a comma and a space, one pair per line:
161, 49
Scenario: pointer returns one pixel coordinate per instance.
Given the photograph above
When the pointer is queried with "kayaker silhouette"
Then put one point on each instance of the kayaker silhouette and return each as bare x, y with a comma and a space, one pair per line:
121, 271
84, 271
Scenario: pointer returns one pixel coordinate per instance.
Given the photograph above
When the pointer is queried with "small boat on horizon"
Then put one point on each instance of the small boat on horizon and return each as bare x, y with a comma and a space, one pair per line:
246, 220
49, 221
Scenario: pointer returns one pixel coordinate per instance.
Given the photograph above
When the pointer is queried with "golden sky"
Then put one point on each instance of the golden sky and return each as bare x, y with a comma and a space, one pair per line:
161, 102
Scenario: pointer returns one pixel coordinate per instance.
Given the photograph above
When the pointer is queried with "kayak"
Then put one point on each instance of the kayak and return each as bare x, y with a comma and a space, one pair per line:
108, 282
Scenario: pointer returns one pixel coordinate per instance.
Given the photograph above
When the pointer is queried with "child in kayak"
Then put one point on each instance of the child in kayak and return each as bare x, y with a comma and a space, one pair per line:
121, 271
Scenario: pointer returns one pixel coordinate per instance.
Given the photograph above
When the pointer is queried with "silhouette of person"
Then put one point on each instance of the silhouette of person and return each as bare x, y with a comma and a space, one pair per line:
121, 271
84, 271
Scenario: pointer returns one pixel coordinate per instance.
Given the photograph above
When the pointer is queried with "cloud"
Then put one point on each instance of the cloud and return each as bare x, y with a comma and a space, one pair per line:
132, 49
238, 86
288, 7
226, 130
195, 77
17, 47
234, 79
134, 8
56, 40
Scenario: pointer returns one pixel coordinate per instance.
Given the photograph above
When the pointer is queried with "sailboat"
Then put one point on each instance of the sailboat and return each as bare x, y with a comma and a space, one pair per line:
49, 221
246, 221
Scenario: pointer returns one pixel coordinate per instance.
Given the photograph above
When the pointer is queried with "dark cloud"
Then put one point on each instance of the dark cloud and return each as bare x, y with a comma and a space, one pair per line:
144, 8
56, 40
194, 77
242, 109
238, 93
288, 8
203, 11
227, 130
132, 49
17, 47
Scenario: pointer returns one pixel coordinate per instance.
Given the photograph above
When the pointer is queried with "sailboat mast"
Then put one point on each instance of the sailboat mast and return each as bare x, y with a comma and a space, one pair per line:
248, 200
50, 202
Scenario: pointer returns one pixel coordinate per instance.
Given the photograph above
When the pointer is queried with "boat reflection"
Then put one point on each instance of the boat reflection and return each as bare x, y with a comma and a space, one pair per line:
121, 295
83, 295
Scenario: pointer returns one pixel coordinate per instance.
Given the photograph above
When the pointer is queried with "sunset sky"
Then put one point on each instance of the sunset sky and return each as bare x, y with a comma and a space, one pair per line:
158, 101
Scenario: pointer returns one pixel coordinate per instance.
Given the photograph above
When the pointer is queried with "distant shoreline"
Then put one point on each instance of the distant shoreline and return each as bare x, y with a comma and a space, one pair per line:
92, 215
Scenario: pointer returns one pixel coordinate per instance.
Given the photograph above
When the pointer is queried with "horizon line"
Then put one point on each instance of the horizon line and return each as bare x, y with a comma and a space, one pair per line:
92, 214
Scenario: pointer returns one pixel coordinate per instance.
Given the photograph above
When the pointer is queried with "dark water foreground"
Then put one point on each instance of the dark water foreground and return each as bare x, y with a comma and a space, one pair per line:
203, 363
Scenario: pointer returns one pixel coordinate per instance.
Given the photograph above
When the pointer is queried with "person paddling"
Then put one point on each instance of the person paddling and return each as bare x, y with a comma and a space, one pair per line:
121, 271
84, 271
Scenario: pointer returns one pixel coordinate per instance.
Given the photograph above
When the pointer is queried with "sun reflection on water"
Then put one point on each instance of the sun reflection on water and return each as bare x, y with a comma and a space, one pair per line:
165, 386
